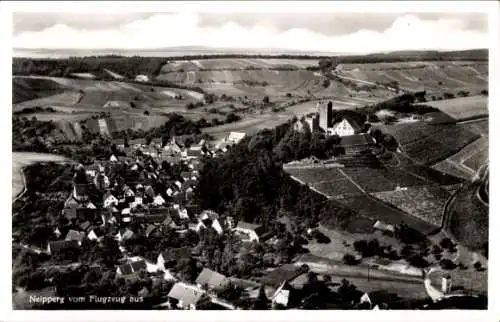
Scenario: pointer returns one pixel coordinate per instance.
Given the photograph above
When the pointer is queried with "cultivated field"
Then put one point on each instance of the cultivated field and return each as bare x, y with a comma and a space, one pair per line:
425, 203
427, 143
236, 63
431, 76
374, 208
463, 107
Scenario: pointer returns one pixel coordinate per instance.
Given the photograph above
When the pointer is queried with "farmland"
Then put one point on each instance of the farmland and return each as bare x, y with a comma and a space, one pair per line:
425, 203
236, 63
378, 210
434, 77
430, 143
463, 107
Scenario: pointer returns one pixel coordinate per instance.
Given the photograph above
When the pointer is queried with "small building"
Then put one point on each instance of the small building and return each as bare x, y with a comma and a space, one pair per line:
158, 200
124, 234
74, 235
131, 268
188, 297
61, 246
211, 280
282, 295
383, 226
252, 231
446, 284
378, 299
109, 200
141, 78
235, 137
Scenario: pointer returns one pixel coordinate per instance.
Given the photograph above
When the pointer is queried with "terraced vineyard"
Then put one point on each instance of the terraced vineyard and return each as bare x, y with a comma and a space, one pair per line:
378, 210
427, 143
426, 203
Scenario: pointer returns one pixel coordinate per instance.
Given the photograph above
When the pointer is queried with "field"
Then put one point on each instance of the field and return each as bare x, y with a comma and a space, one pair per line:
236, 63
463, 107
23, 159
480, 127
378, 210
427, 143
434, 77
425, 203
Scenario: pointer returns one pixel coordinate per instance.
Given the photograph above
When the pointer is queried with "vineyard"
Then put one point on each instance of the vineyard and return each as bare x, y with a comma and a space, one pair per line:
378, 210
463, 107
425, 203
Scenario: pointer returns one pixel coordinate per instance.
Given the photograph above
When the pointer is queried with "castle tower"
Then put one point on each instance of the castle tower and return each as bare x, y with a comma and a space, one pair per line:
325, 115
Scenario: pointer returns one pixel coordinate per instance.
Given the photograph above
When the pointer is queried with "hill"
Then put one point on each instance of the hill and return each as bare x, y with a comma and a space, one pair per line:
25, 89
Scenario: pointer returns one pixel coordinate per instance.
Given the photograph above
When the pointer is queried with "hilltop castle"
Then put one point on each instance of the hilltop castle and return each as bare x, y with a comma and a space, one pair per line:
325, 120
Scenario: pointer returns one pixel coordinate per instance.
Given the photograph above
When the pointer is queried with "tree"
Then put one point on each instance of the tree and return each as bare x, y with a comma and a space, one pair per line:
349, 259
262, 302
447, 264
265, 100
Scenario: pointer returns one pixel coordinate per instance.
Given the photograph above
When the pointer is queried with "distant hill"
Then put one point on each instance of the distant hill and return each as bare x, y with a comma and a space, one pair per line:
472, 54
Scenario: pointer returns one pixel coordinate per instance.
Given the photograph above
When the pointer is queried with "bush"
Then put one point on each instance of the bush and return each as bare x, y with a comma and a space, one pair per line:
288, 94
350, 259
146, 112
446, 243
477, 265
448, 95
484, 92
447, 264
418, 261
320, 237
265, 100
190, 106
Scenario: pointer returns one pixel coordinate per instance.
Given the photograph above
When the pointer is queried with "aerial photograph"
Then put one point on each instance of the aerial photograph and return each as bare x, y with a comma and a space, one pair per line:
250, 160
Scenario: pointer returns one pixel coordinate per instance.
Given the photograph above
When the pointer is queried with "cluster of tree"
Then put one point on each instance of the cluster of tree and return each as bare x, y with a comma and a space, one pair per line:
36, 109
30, 134
252, 83
252, 185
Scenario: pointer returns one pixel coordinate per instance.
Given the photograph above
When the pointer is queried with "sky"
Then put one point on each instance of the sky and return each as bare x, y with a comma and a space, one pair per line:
326, 32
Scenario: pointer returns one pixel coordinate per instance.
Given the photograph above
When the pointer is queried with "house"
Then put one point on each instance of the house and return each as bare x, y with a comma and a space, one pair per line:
141, 78
131, 268
188, 297
95, 234
383, 226
357, 143
109, 200
85, 225
120, 143
210, 223
380, 299
282, 295
158, 200
113, 158
149, 192
235, 137
71, 202
156, 142
192, 154
211, 280
344, 127
76, 236
169, 256
80, 192
124, 234
90, 205
253, 231
149, 230
101, 181
57, 232
61, 246
69, 213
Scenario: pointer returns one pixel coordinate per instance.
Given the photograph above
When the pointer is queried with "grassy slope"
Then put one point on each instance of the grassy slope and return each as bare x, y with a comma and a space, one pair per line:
469, 218
25, 89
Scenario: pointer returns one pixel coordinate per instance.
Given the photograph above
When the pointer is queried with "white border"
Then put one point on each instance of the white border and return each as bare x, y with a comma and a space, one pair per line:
6, 8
